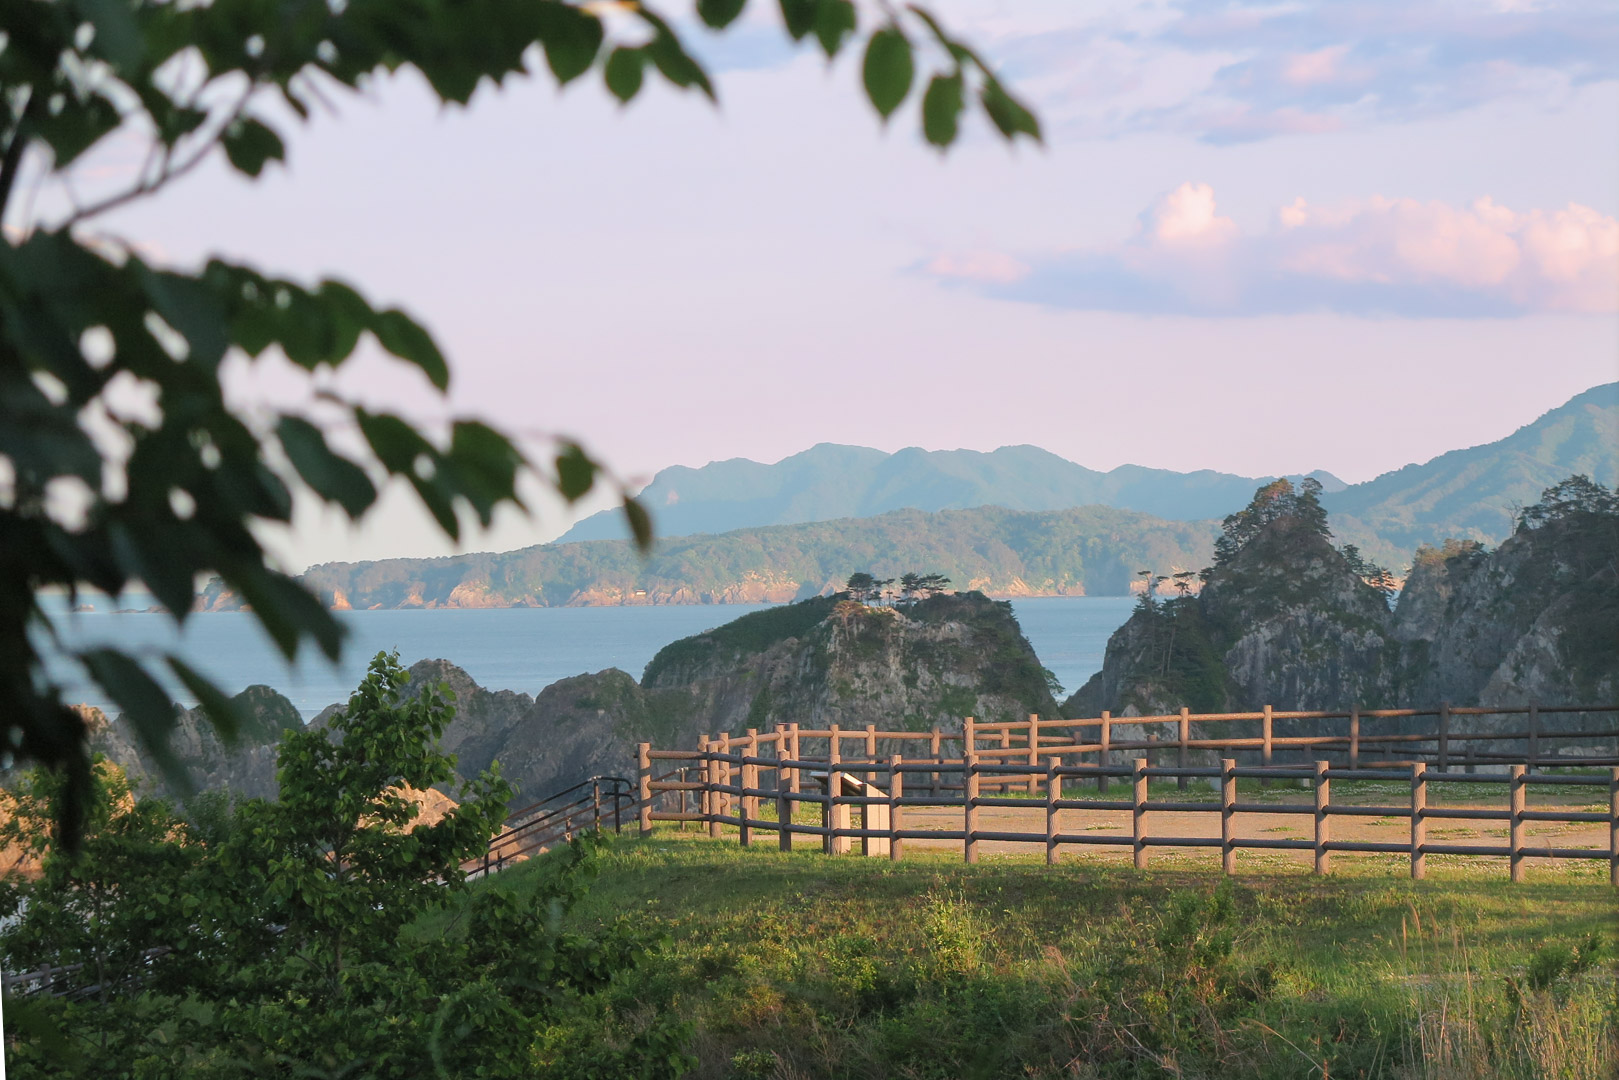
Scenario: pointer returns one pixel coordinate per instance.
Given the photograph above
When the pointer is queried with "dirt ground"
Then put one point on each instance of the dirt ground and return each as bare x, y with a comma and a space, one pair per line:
1301, 826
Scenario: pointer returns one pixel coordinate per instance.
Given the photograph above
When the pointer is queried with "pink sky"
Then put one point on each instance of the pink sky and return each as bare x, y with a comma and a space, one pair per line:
1289, 244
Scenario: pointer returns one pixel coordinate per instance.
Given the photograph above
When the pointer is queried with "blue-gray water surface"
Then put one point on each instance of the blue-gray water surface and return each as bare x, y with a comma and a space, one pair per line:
523, 649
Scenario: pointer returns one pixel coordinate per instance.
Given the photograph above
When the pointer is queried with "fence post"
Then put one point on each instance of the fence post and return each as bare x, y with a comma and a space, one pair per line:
896, 791
829, 811
797, 777
1264, 751
1228, 814
935, 746
724, 768
1185, 732
643, 779
1138, 815
871, 743
1102, 754
1034, 753
784, 809
711, 777
1354, 737
1323, 826
1444, 736
969, 798
1053, 793
746, 804
1613, 827
1515, 806
1419, 822
1534, 736
1152, 744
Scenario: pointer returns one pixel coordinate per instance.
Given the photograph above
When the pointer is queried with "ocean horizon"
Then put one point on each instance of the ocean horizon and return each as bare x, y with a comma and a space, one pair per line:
519, 649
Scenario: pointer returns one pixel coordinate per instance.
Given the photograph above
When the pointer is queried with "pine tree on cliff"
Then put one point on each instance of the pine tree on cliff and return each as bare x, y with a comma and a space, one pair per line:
1277, 505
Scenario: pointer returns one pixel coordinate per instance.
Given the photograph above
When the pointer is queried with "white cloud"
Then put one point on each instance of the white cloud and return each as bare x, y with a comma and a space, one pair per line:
1377, 255
1229, 71
984, 266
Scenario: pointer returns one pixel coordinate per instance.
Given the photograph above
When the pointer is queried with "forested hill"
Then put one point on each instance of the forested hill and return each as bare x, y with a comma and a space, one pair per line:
1467, 494
1093, 550
830, 481
1474, 494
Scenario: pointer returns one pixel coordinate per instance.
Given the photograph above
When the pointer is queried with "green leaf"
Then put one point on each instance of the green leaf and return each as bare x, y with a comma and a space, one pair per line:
941, 109
1008, 114
286, 610
888, 70
623, 72
118, 37
249, 144
719, 13
834, 21
571, 37
481, 465
76, 128
333, 477
675, 63
396, 444
222, 712
576, 473
404, 337
145, 704
799, 15
640, 523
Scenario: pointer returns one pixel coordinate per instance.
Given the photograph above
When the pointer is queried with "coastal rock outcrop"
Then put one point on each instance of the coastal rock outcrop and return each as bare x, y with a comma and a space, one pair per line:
246, 769
1286, 619
817, 662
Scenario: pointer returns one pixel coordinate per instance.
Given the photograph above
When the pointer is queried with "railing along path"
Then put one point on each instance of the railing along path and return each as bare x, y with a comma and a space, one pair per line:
732, 775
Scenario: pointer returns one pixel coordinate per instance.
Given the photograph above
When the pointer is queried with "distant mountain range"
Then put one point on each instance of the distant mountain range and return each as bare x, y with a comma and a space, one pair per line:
1083, 550
1468, 494
830, 481
1474, 494
1002, 522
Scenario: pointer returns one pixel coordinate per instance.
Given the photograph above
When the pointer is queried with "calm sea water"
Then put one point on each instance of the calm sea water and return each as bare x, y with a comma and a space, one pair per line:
523, 649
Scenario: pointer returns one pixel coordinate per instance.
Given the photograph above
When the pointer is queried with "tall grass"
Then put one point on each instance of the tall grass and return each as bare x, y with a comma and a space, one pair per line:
799, 966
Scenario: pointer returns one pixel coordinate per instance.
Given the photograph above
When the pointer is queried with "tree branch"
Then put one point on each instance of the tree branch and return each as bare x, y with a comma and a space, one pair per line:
14, 150
168, 173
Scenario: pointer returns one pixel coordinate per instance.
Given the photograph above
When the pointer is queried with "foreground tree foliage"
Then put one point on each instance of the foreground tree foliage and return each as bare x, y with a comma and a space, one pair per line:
121, 459
276, 938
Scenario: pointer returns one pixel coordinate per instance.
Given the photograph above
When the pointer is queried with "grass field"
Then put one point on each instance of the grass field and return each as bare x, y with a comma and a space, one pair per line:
801, 965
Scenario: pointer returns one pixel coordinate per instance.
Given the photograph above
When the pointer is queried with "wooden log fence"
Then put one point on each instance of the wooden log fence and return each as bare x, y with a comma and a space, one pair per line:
737, 775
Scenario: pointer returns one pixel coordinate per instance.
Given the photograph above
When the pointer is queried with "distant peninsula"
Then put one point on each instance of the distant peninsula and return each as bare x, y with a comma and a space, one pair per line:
1083, 551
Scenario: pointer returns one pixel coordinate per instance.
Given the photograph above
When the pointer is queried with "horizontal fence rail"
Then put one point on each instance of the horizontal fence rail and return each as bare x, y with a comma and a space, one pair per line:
727, 779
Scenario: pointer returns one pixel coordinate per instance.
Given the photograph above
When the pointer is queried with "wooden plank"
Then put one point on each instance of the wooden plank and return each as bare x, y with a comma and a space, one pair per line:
832, 845
1515, 808
969, 798
1228, 802
1322, 822
1034, 753
1444, 736
1354, 737
1184, 732
643, 781
1138, 815
1267, 721
1053, 794
1613, 827
1102, 754
1419, 822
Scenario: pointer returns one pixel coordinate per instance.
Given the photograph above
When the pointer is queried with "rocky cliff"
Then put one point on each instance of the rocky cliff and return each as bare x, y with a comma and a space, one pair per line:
1287, 619
828, 660
817, 662
246, 769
